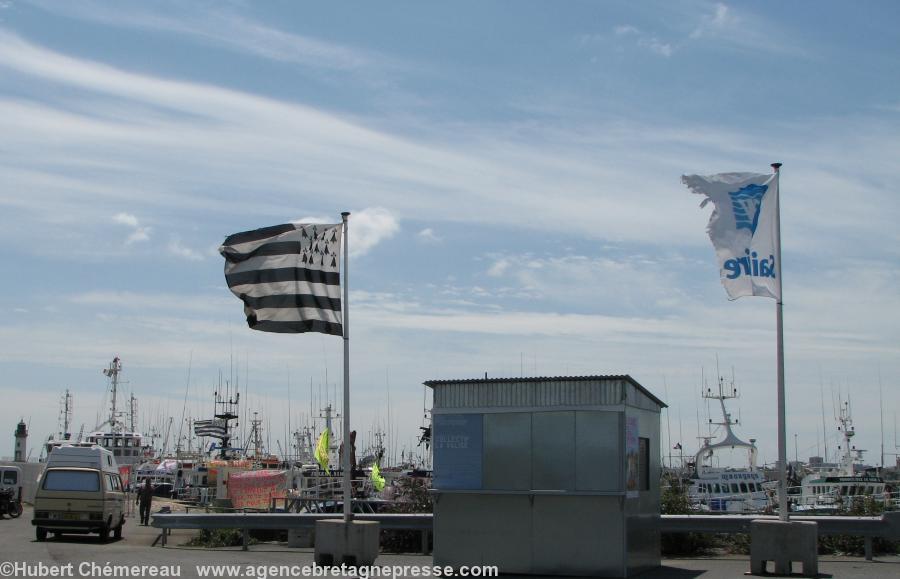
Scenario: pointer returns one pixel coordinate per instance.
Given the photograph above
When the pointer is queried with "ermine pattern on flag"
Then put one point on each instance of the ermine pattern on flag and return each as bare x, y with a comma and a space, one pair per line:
287, 276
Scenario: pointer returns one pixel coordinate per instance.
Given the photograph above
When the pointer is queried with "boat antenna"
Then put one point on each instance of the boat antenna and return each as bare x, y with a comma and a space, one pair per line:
881, 410
187, 386
668, 421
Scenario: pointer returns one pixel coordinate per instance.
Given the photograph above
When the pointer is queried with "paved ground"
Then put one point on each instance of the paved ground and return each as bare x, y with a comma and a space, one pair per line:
18, 546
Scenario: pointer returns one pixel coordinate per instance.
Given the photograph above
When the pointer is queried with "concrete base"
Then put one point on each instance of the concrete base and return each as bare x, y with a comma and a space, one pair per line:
784, 542
300, 538
353, 543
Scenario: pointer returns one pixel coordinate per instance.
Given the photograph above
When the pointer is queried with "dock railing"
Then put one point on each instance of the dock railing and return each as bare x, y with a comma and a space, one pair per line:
886, 526
283, 522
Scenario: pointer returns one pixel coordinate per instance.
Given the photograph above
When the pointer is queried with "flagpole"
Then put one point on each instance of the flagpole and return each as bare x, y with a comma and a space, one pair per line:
345, 321
779, 344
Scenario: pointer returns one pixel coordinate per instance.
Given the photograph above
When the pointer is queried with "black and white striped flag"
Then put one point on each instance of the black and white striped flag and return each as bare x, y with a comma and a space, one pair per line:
215, 428
288, 277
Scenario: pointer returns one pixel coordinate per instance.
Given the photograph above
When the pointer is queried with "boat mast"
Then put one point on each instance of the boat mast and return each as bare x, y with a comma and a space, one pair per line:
66, 416
112, 372
848, 431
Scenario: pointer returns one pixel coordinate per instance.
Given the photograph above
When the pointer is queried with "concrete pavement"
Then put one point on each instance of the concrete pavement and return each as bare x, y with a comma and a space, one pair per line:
85, 553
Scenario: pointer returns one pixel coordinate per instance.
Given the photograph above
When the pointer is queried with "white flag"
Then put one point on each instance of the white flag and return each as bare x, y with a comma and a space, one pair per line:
743, 230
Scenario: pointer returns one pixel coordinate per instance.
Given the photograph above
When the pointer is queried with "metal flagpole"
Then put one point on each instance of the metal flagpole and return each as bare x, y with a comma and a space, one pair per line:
345, 321
779, 345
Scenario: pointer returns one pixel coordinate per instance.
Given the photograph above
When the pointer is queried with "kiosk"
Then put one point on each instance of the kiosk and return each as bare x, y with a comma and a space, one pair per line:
547, 475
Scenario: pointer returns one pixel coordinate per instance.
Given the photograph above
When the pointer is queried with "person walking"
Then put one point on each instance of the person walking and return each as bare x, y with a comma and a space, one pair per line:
144, 499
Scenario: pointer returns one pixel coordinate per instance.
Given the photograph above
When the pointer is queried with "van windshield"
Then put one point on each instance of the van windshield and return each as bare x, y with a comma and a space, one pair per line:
71, 480
9, 477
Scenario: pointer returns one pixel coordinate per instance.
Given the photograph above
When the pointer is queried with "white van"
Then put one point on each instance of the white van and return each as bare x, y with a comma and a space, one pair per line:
11, 487
80, 492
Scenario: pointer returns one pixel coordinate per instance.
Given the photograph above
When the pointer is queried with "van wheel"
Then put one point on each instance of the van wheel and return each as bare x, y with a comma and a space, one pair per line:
40, 533
117, 532
104, 534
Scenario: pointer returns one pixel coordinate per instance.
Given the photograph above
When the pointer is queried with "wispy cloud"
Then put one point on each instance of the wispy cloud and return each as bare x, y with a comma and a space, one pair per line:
126, 219
178, 249
202, 144
720, 18
718, 25
223, 26
741, 29
371, 226
428, 235
644, 40
138, 233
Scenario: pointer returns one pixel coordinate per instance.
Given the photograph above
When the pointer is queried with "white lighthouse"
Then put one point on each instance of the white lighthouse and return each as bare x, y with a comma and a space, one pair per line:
21, 438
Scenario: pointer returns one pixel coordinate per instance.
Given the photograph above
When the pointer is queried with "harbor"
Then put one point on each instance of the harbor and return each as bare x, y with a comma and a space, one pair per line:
530, 289
138, 546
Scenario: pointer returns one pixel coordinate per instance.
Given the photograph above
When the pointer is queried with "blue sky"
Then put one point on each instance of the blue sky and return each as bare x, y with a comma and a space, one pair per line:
512, 170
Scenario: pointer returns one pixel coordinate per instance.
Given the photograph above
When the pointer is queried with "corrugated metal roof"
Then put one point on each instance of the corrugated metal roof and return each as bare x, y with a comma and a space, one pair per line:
487, 381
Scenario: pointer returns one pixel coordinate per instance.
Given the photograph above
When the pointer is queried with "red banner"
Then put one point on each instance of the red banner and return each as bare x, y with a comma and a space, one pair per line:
125, 473
255, 489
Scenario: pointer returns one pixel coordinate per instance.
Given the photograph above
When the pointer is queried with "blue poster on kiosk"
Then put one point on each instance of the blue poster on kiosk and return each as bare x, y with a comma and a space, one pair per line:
457, 451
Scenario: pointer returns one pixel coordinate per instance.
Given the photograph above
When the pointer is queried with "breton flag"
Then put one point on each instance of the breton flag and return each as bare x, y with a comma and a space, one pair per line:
215, 428
743, 228
288, 277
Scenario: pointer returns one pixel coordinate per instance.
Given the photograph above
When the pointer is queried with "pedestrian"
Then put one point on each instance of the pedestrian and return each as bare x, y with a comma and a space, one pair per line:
144, 499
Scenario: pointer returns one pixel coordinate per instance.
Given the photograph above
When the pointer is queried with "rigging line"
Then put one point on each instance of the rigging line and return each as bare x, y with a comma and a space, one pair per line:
184, 404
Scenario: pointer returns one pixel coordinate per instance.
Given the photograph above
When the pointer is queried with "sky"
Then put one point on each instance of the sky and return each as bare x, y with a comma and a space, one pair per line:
512, 170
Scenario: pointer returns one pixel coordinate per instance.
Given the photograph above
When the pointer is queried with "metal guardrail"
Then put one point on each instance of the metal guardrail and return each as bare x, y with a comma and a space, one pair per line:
887, 526
282, 521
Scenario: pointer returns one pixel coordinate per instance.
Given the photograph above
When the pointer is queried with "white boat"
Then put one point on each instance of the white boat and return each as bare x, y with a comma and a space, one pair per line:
832, 488
126, 444
726, 489
64, 433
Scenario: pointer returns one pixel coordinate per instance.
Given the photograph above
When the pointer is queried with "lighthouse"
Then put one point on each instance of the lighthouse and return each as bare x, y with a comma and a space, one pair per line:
21, 438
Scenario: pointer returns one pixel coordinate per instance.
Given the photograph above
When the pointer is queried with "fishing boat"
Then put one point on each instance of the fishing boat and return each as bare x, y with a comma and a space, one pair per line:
124, 441
833, 488
63, 435
715, 488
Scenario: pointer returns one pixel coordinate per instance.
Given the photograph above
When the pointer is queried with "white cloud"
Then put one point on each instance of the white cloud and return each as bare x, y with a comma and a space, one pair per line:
207, 136
428, 235
720, 18
176, 248
369, 227
625, 30
655, 45
645, 41
743, 30
139, 234
126, 219
499, 267
224, 27
145, 302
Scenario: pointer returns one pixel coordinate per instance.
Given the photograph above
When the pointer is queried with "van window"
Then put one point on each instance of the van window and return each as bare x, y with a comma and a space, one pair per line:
71, 480
9, 477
